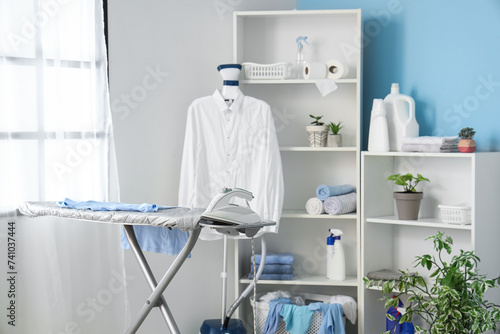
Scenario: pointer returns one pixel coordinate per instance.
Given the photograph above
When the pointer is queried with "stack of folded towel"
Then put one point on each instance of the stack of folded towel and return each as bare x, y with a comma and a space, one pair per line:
429, 144
277, 267
334, 200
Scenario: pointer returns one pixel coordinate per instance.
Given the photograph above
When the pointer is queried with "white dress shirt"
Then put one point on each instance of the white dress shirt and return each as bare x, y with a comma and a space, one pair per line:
232, 145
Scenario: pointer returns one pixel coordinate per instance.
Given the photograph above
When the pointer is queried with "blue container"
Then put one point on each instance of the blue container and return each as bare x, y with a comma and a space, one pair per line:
213, 326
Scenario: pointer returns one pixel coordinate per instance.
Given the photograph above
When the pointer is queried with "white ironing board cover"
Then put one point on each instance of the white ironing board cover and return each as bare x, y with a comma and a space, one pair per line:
184, 218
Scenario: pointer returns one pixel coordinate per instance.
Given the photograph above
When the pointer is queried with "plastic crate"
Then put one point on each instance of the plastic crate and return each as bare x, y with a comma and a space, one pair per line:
261, 71
262, 309
455, 214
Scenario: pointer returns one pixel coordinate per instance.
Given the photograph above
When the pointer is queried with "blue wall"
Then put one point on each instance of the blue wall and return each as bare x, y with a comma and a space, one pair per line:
445, 54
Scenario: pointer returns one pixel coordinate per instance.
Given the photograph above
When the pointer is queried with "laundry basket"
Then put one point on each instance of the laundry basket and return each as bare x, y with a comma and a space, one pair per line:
262, 309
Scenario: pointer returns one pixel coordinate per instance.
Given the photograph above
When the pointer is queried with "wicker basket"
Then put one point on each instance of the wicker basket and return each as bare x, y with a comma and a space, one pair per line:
270, 71
262, 309
455, 214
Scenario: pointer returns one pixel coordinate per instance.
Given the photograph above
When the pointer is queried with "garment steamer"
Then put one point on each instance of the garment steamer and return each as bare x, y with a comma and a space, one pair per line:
234, 221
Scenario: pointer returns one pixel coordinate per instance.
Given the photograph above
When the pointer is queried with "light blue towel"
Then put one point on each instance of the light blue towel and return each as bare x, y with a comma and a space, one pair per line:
275, 269
285, 258
110, 206
331, 318
273, 316
297, 318
158, 239
279, 277
324, 191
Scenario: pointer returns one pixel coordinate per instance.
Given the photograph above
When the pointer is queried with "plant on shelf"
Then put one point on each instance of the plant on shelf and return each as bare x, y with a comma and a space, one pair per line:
408, 201
317, 132
467, 144
454, 302
334, 138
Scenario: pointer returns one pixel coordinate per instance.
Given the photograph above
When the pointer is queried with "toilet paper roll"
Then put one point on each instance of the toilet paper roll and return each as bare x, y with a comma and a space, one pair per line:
314, 71
336, 70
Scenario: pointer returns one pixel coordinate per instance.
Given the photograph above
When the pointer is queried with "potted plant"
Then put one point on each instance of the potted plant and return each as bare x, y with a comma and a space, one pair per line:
408, 201
334, 138
453, 302
317, 132
466, 143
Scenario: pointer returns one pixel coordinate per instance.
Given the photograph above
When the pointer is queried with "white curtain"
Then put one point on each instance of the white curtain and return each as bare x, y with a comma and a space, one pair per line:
56, 141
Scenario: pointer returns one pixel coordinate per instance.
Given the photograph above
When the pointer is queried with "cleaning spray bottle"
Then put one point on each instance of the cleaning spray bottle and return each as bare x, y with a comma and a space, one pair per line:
335, 256
299, 65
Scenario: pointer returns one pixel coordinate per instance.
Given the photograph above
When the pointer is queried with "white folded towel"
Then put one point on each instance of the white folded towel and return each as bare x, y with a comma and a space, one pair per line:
314, 206
349, 306
430, 140
338, 205
421, 148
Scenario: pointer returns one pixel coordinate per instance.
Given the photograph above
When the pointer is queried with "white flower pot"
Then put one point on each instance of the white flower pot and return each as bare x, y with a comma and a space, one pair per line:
317, 135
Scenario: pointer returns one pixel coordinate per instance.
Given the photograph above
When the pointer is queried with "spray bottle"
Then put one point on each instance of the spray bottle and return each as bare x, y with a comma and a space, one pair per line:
335, 256
300, 57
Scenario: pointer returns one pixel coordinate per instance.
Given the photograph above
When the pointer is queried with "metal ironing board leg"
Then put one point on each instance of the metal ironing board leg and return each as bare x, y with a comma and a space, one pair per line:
148, 274
165, 281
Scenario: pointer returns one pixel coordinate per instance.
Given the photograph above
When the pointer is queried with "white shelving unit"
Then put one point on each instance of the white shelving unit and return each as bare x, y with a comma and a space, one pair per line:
390, 243
269, 37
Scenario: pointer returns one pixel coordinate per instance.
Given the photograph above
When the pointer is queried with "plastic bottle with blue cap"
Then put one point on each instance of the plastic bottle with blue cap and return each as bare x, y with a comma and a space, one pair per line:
299, 65
335, 258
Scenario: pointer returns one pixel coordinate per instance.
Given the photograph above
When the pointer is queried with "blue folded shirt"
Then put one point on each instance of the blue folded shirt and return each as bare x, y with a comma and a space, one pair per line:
110, 206
274, 269
271, 258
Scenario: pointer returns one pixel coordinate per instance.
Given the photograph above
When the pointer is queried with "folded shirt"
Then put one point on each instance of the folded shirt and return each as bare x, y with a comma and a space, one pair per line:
277, 277
430, 140
110, 206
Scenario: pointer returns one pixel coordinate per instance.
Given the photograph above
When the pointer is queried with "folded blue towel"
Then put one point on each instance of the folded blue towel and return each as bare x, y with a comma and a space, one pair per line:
273, 258
110, 206
276, 277
324, 191
275, 269
158, 239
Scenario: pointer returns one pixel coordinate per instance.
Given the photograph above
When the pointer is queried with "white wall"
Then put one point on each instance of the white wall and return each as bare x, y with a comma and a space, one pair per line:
183, 42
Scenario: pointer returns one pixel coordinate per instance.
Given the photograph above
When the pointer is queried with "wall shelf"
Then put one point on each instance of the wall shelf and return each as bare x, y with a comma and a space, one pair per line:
302, 214
317, 149
293, 81
309, 280
421, 222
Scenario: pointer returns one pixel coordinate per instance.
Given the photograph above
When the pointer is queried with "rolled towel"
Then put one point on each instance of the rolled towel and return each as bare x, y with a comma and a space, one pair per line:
324, 191
275, 269
279, 277
284, 258
338, 205
314, 206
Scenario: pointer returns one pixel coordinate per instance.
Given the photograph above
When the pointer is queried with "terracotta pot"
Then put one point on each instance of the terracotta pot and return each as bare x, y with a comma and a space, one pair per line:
408, 204
466, 145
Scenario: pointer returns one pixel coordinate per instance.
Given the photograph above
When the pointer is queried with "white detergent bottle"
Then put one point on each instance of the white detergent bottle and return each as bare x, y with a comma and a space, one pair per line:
378, 140
400, 114
329, 255
338, 261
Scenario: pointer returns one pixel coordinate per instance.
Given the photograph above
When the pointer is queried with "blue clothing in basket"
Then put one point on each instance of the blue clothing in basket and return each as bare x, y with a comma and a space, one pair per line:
273, 317
297, 318
331, 318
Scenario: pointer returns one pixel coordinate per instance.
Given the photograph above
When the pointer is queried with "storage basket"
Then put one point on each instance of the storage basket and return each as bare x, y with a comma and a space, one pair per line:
262, 309
455, 214
270, 71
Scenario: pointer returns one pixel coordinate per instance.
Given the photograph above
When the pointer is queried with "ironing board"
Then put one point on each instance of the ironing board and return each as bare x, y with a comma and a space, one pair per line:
184, 218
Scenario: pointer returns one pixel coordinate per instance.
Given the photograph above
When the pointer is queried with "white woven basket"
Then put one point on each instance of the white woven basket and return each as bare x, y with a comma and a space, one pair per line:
262, 309
455, 214
263, 71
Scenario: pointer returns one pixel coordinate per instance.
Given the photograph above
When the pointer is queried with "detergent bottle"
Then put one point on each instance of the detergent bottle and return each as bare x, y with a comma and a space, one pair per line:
337, 266
400, 114
329, 255
378, 140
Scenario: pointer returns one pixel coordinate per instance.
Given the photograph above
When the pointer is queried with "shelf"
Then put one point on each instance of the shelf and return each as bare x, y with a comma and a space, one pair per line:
295, 12
309, 280
304, 215
317, 149
422, 222
419, 154
292, 81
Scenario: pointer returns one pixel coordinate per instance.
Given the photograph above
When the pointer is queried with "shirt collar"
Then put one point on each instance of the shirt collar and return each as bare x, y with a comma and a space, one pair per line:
222, 105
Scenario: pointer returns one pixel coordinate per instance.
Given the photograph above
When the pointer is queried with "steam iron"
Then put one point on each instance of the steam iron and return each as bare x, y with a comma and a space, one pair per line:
232, 219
